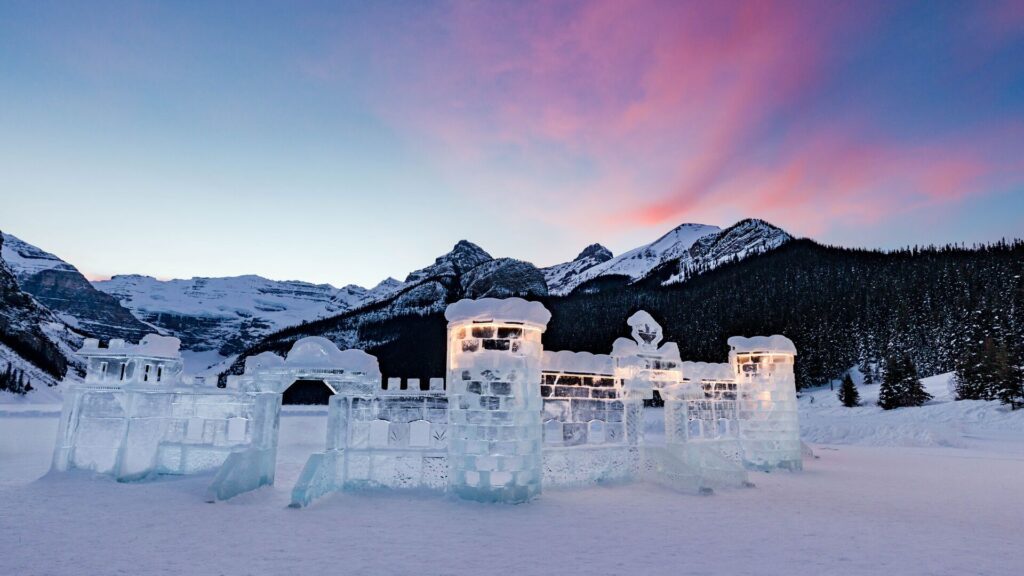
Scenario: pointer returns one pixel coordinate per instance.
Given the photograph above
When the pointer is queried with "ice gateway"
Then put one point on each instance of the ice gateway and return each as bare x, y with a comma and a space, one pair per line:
508, 420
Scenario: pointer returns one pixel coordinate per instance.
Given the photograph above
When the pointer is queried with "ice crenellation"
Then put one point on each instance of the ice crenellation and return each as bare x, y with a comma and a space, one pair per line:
505, 422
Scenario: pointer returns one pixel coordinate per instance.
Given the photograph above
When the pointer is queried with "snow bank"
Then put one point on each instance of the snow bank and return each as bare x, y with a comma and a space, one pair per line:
941, 422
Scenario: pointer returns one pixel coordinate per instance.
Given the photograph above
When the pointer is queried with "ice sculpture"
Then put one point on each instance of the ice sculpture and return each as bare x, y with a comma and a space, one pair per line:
389, 438
769, 430
136, 416
511, 420
494, 400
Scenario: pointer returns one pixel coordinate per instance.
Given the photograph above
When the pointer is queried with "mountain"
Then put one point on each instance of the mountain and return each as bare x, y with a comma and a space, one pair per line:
638, 262
560, 277
228, 314
743, 239
33, 340
685, 251
62, 289
467, 271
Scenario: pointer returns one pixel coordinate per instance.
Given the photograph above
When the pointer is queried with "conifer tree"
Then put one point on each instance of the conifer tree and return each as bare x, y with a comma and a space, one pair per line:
901, 386
848, 393
1009, 378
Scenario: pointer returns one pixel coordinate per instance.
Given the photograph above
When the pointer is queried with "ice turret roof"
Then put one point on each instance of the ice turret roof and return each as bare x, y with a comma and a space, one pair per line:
498, 310
775, 343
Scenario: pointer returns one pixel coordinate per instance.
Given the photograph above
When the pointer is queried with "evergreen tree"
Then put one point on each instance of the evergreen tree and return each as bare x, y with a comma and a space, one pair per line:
14, 384
901, 386
1009, 378
5, 378
869, 373
987, 371
848, 393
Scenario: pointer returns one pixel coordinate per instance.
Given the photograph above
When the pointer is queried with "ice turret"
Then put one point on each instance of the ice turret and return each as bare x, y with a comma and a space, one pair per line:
494, 401
770, 431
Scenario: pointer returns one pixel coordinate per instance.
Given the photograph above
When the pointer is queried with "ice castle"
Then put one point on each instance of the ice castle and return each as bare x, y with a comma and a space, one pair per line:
507, 421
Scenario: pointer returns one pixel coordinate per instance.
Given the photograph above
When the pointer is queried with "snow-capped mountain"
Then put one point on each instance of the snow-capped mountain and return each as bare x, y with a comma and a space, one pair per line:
228, 314
33, 341
218, 317
685, 250
560, 276
638, 262
62, 289
26, 260
467, 271
743, 239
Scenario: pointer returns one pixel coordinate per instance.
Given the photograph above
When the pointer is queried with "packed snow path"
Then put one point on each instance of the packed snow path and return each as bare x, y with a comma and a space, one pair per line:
854, 510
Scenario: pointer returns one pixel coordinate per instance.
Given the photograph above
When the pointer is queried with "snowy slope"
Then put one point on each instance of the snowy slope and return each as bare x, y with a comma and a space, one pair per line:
638, 262
25, 259
228, 314
62, 289
743, 239
940, 422
686, 250
560, 276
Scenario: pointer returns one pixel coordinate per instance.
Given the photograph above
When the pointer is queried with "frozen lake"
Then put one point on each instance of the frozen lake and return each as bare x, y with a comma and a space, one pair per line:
854, 510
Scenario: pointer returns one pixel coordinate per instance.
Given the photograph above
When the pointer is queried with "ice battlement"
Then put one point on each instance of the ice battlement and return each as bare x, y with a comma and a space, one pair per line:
155, 360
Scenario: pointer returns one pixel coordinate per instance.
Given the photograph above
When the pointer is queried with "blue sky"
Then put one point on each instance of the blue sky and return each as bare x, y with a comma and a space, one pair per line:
344, 143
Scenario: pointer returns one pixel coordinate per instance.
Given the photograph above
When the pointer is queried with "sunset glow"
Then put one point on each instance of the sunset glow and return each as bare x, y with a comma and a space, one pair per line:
407, 126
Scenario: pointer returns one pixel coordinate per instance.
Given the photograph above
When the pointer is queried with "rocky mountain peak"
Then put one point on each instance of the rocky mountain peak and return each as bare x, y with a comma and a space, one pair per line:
595, 252
463, 257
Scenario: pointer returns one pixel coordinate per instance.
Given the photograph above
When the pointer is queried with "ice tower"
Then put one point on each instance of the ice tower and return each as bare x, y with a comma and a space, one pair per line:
494, 400
769, 430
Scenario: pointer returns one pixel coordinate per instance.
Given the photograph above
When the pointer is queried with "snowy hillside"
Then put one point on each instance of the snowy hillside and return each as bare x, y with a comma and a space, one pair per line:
560, 276
227, 314
685, 251
62, 289
25, 259
743, 239
940, 422
638, 262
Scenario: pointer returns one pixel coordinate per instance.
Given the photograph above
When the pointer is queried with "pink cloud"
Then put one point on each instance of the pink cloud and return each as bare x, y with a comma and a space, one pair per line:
666, 104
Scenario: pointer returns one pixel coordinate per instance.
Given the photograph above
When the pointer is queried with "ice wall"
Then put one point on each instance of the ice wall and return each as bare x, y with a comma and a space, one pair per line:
494, 372
134, 432
395, 439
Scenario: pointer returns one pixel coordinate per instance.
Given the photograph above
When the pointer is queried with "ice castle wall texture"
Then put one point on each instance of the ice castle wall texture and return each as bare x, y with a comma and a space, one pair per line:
135, 416
770, 429
494, 400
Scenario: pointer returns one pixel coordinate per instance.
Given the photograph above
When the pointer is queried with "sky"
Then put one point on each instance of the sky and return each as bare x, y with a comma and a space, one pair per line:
347, 142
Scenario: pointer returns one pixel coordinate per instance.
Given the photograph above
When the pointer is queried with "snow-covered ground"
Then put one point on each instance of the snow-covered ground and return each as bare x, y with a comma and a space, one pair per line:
889, 502
940, 422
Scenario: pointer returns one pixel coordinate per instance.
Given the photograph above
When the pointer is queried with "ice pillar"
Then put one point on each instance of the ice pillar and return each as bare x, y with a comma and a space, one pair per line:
769, 424
494, 376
